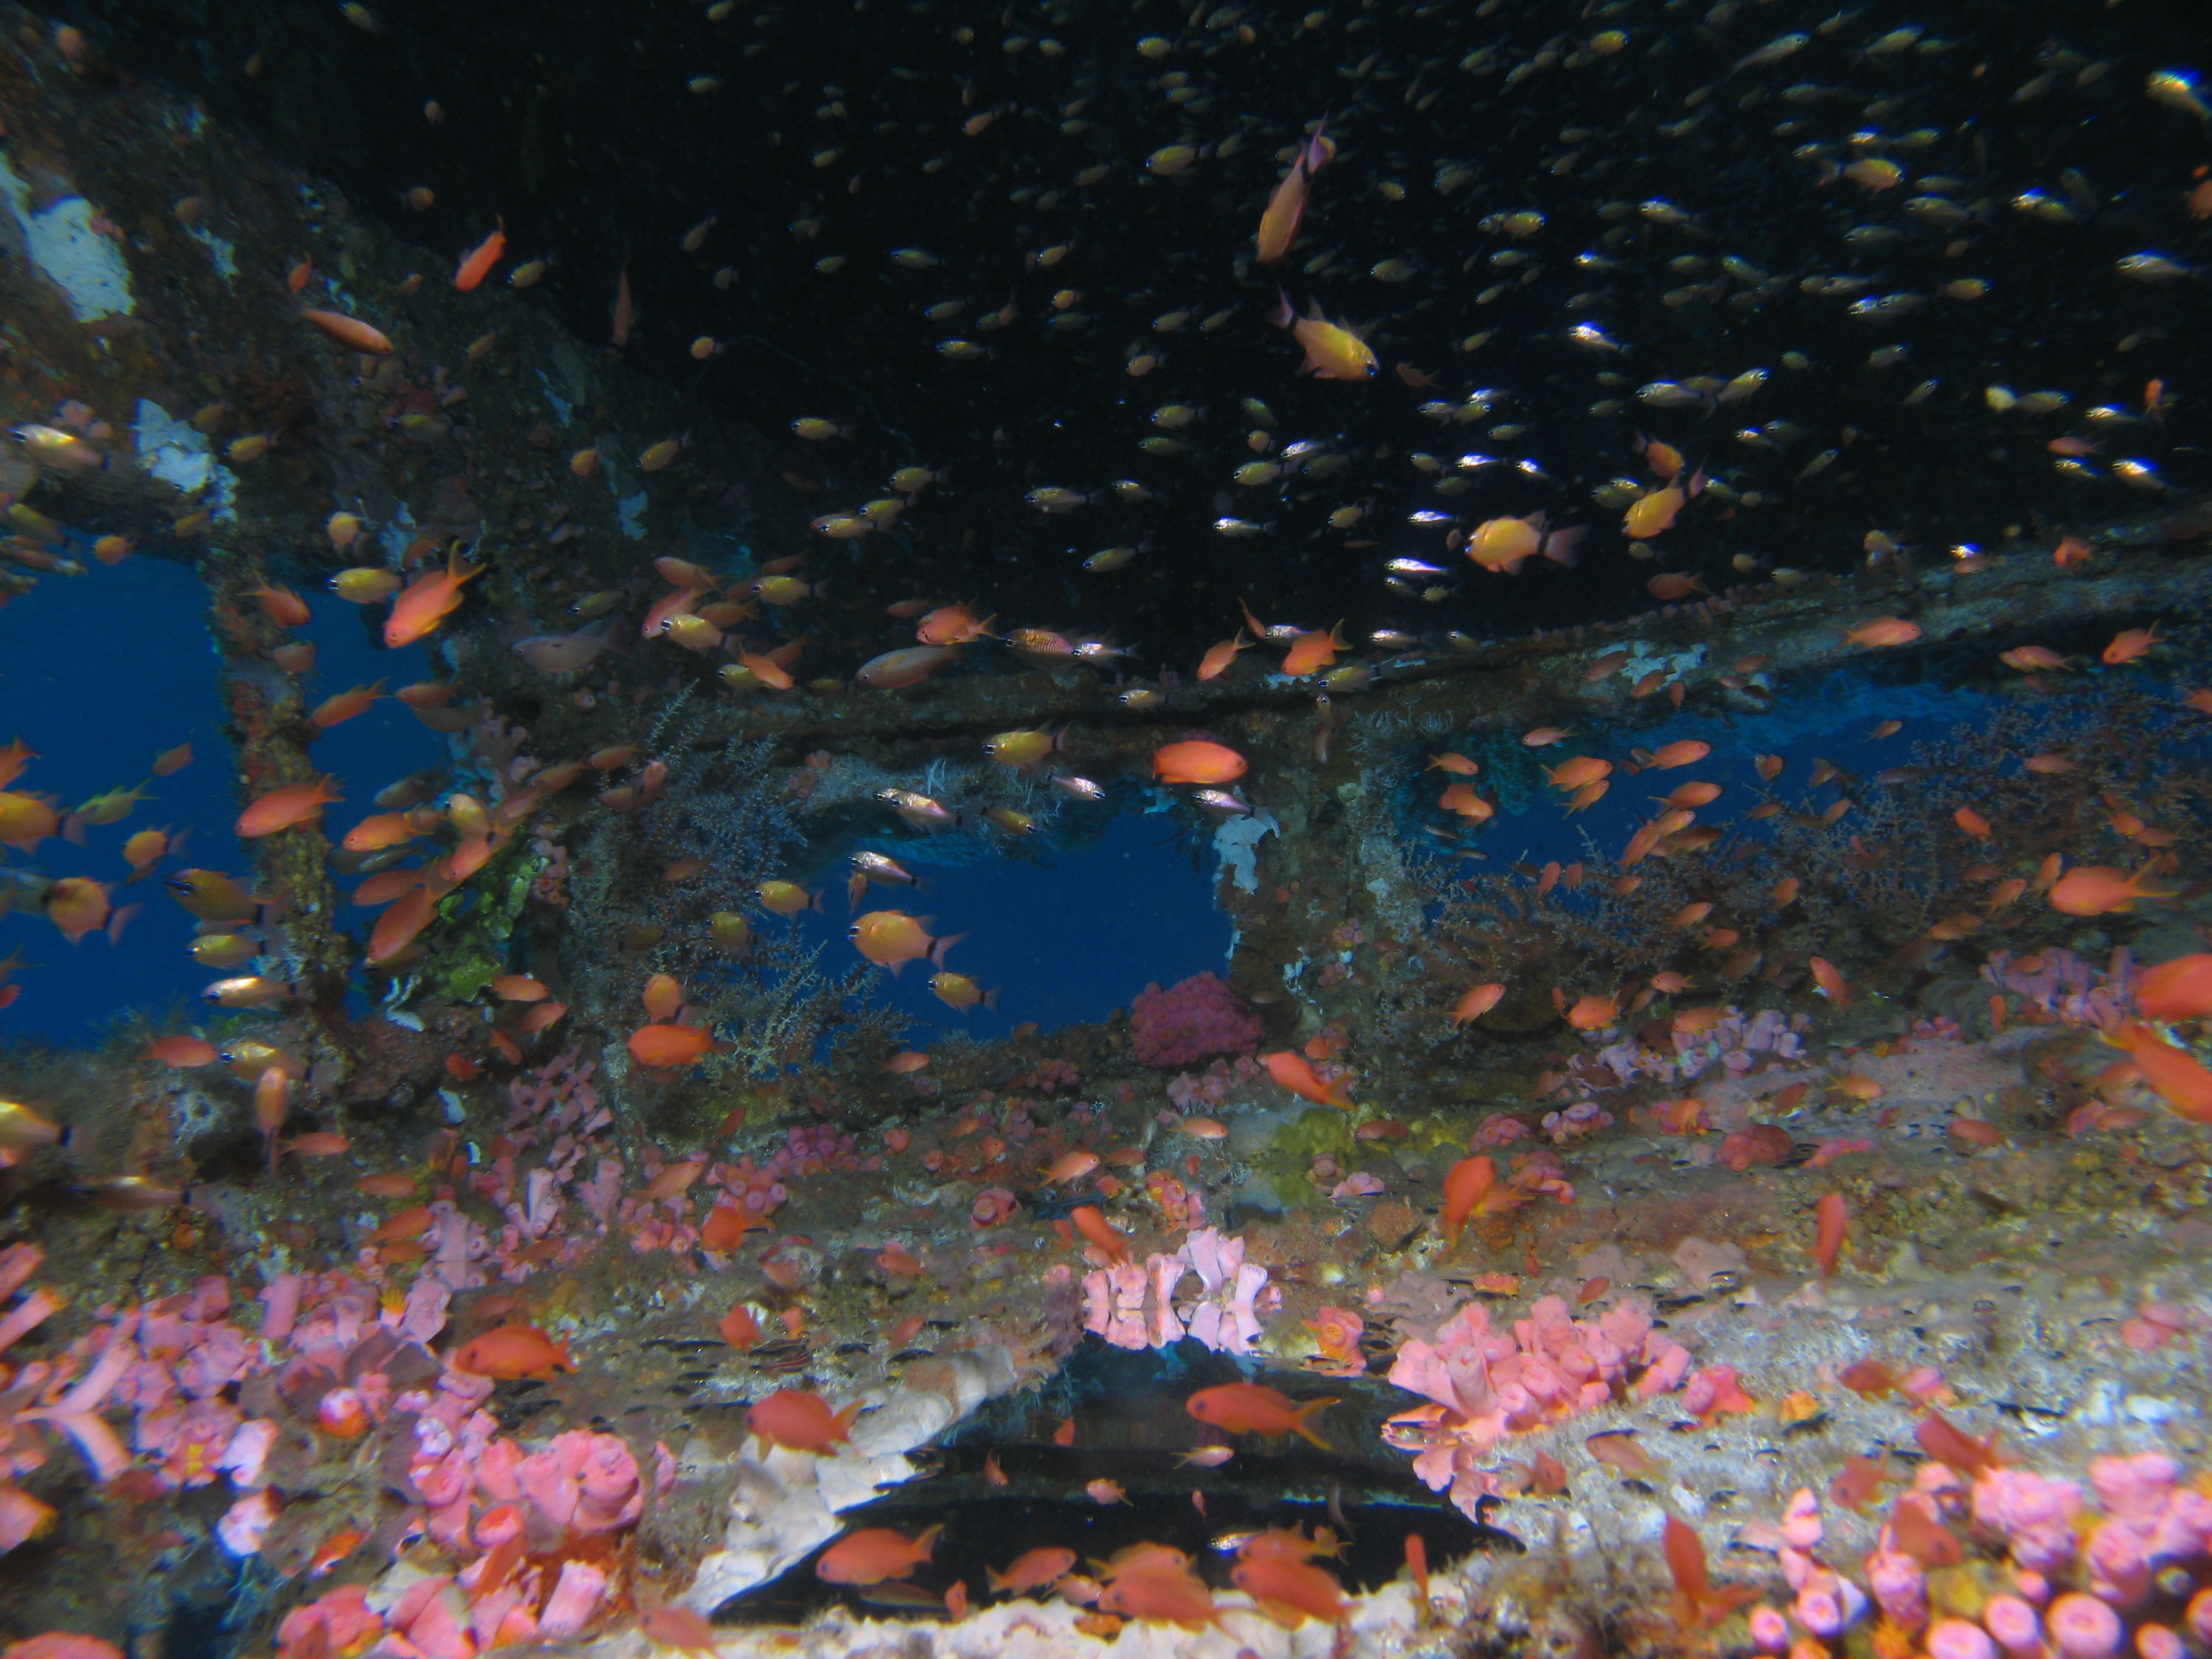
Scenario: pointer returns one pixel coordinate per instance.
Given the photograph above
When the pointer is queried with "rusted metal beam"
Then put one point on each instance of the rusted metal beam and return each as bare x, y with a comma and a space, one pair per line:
2138, 569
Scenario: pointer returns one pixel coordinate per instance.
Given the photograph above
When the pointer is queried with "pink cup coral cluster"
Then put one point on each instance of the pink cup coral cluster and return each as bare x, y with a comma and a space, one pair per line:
1485, 1383
1135, 1307
2087, 1581
1196, 1020
1197, 1091
334, 1359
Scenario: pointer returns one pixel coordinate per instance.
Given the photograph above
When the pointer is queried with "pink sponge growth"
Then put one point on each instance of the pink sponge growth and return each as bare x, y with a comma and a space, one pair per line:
1200, 1018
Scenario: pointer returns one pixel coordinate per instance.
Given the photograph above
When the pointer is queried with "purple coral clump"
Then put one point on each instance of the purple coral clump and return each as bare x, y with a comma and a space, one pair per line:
2066, 986
1200, 1018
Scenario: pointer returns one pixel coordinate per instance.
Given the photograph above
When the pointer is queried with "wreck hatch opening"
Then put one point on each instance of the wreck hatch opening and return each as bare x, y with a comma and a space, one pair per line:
1067, 926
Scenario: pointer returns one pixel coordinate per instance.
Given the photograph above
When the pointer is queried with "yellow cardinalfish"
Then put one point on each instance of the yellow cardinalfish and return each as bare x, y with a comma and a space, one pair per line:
1333, 352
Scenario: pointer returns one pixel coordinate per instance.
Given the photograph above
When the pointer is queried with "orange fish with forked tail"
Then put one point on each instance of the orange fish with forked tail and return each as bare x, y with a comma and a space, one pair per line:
1312, 652
1881, 632
426, 602
1098, 1231
476, 263
1279, 225
1255, 1408
874, 1554
1280, 1581
1472, 1188
1475, 1004
2180, 989
1297, 1074
2096, 889
2178, 1078
287, 806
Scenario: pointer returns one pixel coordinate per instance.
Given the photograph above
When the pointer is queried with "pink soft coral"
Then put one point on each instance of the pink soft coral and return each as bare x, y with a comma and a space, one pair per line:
1492, 1383
1197, 1018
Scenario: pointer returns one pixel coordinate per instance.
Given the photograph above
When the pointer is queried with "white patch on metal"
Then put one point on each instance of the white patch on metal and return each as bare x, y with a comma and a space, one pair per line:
84, 264
173, 451
1641, 662
224, 255
1236, 844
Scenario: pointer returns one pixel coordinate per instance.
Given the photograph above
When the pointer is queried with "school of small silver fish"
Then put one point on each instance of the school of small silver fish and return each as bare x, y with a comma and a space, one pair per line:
1738, 290
1226, 347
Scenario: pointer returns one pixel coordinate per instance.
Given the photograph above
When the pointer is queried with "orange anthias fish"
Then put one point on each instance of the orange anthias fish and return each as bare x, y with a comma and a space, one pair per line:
1472, 1188
1154, 1581
1831, 982
679, 1628
1696, 1602
1332, 352
287, 806
1255, 1408
1578, 773
1475, 1004
1098, 1231
349, 331
2097, 890
2180, 989
874, 1554
334, 711
892, 939
1296, 1073
665, 1047
1279, 225
1281, 1580
1195, 760
952, 624
512, 1352
800, 1420
740, 1327
183, 1051
1883, 631
1215, 663
1028, 1570
426, 602
2128, 644
2178, 1078
1832, 1217
1312, 652
476, 263
1593, 1012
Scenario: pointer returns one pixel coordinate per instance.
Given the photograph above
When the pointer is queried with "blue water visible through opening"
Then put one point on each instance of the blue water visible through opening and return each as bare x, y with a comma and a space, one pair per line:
98, 716
1065, 938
